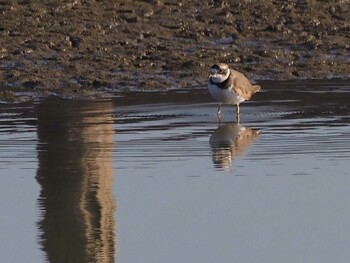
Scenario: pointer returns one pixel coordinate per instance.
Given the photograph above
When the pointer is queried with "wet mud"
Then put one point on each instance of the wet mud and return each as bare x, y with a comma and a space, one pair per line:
87, 48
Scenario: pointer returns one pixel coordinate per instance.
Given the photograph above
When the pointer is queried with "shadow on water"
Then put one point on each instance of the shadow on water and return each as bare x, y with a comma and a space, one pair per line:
75, 174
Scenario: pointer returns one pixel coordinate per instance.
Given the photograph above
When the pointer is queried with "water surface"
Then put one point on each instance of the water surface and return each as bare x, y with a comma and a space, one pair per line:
153, 177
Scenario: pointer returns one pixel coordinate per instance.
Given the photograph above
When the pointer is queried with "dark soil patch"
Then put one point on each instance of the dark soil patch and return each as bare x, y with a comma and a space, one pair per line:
78, 46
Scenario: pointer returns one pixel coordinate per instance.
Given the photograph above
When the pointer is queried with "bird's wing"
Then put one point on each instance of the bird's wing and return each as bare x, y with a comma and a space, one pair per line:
242, 85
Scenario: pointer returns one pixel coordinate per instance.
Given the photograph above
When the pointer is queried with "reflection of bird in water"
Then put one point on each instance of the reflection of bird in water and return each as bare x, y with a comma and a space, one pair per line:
230, 140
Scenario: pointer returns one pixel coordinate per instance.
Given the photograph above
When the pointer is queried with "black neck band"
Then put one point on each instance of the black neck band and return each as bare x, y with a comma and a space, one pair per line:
221, 85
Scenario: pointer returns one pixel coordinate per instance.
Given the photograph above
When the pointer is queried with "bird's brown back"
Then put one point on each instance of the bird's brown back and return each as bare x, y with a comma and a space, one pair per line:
242, 85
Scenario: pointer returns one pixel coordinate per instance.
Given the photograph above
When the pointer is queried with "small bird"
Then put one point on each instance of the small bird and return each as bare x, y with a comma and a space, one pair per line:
229, 86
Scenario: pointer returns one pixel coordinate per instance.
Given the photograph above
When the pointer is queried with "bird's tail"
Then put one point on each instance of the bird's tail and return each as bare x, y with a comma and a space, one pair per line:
257, 88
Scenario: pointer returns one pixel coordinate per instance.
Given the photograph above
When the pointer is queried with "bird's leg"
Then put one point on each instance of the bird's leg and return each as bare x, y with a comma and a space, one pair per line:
238, 118
237, 113
219, 109
219, 112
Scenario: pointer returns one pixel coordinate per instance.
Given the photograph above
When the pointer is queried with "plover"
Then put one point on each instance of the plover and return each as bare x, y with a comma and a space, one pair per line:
229, 86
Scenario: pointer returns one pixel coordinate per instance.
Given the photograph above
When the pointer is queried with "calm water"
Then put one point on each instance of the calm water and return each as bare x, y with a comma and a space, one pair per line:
154, 178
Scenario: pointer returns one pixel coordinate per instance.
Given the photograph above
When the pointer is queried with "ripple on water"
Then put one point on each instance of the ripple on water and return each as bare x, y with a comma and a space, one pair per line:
293, 126
93, 160
17, 141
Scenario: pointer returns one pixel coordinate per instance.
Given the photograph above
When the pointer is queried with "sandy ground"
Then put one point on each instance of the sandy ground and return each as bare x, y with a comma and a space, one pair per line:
78, 48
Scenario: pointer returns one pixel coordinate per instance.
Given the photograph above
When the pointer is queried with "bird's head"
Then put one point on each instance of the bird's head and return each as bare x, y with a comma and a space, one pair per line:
219, 72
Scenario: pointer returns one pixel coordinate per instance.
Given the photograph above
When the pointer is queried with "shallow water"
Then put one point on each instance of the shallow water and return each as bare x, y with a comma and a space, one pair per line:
153, 177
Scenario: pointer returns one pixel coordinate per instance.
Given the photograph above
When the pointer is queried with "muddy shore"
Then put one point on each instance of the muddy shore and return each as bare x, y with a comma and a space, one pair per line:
77, 48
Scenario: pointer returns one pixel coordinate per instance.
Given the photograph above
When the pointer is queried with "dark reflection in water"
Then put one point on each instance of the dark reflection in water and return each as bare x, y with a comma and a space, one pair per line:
75, 174
228, 141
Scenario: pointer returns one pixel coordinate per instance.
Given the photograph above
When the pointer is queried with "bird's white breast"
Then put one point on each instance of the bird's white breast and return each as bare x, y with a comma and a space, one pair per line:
227, 96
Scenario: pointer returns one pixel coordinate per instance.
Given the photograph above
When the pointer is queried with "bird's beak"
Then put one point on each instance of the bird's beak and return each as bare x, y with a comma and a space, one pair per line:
213, 71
